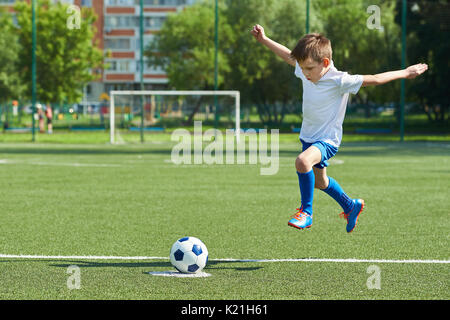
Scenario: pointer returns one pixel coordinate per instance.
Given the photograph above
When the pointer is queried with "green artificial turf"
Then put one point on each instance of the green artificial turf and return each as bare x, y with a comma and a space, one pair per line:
131, 200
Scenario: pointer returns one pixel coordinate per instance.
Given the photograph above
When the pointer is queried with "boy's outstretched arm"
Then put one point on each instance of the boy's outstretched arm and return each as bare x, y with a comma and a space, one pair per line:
280, 50
381, 78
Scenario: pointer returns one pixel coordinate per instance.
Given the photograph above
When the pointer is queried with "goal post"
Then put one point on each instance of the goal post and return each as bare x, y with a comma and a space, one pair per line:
115, 93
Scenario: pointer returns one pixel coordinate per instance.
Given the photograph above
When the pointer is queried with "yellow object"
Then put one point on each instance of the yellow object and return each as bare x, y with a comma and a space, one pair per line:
104, 96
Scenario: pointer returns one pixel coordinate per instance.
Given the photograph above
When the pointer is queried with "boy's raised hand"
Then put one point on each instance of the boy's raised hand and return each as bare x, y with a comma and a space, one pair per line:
416, 70
280, 50
258, 32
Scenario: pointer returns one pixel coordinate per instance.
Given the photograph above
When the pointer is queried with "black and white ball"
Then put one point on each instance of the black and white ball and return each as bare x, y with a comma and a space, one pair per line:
189, 255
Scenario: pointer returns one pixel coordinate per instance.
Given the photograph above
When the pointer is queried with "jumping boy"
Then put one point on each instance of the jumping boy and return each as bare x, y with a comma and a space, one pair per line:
325, 96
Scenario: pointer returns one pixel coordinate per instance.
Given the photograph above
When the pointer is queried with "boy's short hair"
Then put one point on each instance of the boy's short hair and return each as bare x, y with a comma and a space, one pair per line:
314, 46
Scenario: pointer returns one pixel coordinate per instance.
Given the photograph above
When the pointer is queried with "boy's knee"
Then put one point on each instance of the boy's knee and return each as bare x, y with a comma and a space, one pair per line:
302, 164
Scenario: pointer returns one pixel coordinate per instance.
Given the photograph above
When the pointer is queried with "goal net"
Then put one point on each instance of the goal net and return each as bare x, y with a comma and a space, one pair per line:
133, 114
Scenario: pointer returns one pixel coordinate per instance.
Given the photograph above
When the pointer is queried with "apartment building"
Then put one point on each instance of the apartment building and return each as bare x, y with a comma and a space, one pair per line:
118, 35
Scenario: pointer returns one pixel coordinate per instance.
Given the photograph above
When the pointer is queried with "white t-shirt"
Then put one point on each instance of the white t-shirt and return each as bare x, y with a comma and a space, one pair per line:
324, 104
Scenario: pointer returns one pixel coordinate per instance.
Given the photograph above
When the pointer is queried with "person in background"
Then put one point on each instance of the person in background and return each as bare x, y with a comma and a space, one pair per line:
40, 113
49, 115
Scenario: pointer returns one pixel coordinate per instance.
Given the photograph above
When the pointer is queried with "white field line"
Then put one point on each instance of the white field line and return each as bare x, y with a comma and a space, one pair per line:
23, 256
59, 164
408, 261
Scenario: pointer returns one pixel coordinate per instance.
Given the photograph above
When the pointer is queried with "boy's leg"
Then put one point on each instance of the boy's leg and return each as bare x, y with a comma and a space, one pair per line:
333, 189
321, 178
307, 159
352, 207
304, 165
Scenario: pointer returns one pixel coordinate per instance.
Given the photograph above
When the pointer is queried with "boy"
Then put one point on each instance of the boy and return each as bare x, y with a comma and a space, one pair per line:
325, 95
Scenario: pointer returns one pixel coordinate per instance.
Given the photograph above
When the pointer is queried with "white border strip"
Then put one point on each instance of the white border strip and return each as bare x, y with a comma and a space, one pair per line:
20, 256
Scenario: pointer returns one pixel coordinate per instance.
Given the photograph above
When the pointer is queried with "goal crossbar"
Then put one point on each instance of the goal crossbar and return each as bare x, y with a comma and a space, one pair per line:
235, 94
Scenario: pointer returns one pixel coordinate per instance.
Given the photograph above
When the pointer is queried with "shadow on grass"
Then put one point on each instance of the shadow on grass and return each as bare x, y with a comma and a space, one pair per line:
348, 148
212, 265
384, 149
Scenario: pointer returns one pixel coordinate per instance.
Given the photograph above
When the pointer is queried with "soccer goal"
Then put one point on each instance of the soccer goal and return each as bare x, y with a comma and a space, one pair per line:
153, 110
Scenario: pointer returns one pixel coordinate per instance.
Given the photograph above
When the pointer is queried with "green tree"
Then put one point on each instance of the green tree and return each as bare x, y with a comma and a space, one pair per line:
10, 83
359, 49
428, 42
184, 47
66, 57
265, 80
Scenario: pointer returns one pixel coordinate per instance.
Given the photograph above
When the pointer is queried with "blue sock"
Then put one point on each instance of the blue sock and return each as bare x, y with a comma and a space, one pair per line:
306, 183
335, 191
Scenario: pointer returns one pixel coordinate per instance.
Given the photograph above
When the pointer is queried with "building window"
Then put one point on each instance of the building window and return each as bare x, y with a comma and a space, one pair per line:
147, 68
154, 22
86, 3
121, 65
123, 21
120, 2
118, 44
147, 2
64, 1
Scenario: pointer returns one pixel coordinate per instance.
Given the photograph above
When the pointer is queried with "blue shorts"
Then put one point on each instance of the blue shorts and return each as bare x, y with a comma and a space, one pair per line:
326, 149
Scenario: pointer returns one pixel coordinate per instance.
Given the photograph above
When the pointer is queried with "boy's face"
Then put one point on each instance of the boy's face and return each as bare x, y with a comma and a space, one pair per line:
314, 70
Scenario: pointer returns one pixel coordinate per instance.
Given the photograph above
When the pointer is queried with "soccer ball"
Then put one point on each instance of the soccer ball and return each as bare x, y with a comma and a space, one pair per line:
189, 255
